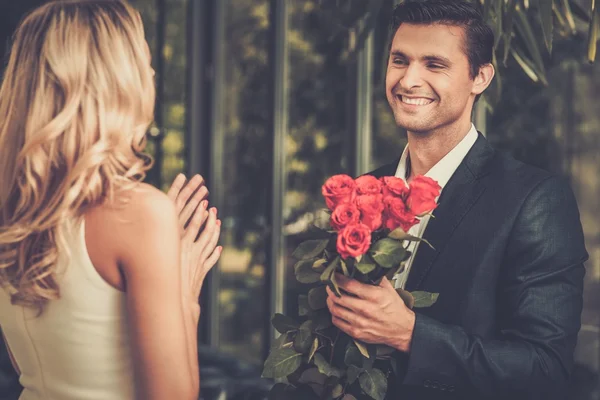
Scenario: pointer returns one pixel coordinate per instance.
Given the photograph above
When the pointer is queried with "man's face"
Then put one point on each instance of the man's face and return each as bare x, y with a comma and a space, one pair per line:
428, 82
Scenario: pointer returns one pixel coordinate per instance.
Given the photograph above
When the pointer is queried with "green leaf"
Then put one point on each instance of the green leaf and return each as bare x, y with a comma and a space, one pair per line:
526, 31
336, 288
281, 363
353, 356
593, 33
303, 307
366, 264
280, 341
362, 348
546, 15
394, 365
310, 249
325, 368
344, 268
508, 28
399, 234
408, 298
384, 351
388, 253
326, 275
526, 66
568, 13
305, 273
304, 338
319, 265
498, 19
337, 391
284, 323
424, 299
317, 298
579, 11
352, 373
322, 320
374, 383
313, 348
280, 391
313, 378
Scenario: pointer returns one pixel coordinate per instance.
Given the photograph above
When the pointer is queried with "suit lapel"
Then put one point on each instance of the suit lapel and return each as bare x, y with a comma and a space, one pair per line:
458, 196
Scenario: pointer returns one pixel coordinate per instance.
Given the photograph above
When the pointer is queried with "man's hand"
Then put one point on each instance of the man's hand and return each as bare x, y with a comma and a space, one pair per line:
180, 195
376, 315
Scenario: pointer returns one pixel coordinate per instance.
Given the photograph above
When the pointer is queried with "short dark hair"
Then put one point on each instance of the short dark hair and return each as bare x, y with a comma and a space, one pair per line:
479, 37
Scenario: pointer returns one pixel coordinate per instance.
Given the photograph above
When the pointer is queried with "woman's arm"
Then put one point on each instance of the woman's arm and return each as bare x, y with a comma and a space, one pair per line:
163, 329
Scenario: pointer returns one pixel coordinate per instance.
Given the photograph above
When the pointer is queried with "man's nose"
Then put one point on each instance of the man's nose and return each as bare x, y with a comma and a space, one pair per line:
412, 77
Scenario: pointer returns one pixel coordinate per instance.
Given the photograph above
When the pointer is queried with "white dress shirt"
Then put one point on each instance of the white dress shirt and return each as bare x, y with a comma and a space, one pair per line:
441, 172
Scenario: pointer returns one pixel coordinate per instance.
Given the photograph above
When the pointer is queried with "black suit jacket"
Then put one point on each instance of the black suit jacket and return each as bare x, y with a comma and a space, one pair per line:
508, 265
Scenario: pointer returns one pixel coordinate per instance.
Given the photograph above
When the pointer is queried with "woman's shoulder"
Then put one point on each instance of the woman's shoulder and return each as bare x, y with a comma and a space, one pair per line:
138, 213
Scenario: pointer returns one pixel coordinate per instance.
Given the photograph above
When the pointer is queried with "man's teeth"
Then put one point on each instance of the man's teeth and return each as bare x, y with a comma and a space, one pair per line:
416, 101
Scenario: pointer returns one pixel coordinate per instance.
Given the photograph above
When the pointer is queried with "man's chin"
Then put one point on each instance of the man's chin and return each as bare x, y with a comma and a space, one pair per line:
416, 127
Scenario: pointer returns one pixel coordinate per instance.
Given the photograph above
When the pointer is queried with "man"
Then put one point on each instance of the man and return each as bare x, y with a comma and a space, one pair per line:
509, 247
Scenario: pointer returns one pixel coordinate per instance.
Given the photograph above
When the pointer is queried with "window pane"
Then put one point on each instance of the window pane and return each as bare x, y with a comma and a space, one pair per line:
319, 90
388, 139
175, 88
171, 107
243, 293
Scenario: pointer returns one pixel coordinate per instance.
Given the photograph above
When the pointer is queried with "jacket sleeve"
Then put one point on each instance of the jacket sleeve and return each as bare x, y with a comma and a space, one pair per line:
540, 299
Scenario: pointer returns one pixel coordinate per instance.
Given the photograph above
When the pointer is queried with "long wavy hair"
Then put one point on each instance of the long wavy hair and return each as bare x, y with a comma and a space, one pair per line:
76, 100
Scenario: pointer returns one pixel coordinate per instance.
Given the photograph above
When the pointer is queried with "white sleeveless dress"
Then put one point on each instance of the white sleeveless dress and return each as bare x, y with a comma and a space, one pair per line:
78, 349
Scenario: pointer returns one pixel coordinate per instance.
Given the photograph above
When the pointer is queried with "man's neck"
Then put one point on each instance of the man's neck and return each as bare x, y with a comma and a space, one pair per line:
427, 148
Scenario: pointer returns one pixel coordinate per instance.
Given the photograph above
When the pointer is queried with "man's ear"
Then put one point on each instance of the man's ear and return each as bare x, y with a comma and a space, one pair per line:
483, 79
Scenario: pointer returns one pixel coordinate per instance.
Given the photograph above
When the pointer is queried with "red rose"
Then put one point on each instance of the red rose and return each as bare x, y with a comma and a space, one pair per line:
338, 189
423, 194
353, 240
368, 184
395, 186
371, 208
397, 214
343, 215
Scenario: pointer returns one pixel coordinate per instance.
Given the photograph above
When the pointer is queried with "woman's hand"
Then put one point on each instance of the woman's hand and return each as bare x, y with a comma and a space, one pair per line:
181, 194
200, 231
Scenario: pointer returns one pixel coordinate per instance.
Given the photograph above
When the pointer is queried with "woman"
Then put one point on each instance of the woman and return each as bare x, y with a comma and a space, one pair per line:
96, 301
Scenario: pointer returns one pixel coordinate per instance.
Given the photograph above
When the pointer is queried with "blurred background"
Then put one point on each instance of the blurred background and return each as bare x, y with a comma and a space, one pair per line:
268, 98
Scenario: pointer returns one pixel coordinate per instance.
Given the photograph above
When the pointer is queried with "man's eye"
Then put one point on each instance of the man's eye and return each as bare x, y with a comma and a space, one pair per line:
435, 66
399, 61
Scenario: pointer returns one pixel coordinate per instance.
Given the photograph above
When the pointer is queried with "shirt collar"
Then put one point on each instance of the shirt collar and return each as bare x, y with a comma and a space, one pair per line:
445, 168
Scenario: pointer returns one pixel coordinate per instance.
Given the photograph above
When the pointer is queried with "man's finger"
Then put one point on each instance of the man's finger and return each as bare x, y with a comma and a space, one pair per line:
351, 303
354, 287
176, 187
386, 284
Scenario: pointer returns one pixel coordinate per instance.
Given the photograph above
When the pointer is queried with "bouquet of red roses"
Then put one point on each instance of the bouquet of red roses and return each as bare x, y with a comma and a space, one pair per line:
364, 235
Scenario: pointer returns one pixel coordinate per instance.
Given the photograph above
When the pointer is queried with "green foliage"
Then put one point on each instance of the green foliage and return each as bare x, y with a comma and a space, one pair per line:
315, 358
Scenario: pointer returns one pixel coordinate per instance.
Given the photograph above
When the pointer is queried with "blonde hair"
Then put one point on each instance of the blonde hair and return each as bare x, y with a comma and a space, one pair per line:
75, 103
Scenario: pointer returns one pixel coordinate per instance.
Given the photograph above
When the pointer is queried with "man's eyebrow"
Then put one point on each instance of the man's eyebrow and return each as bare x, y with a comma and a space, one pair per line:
429, 57
437, 58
